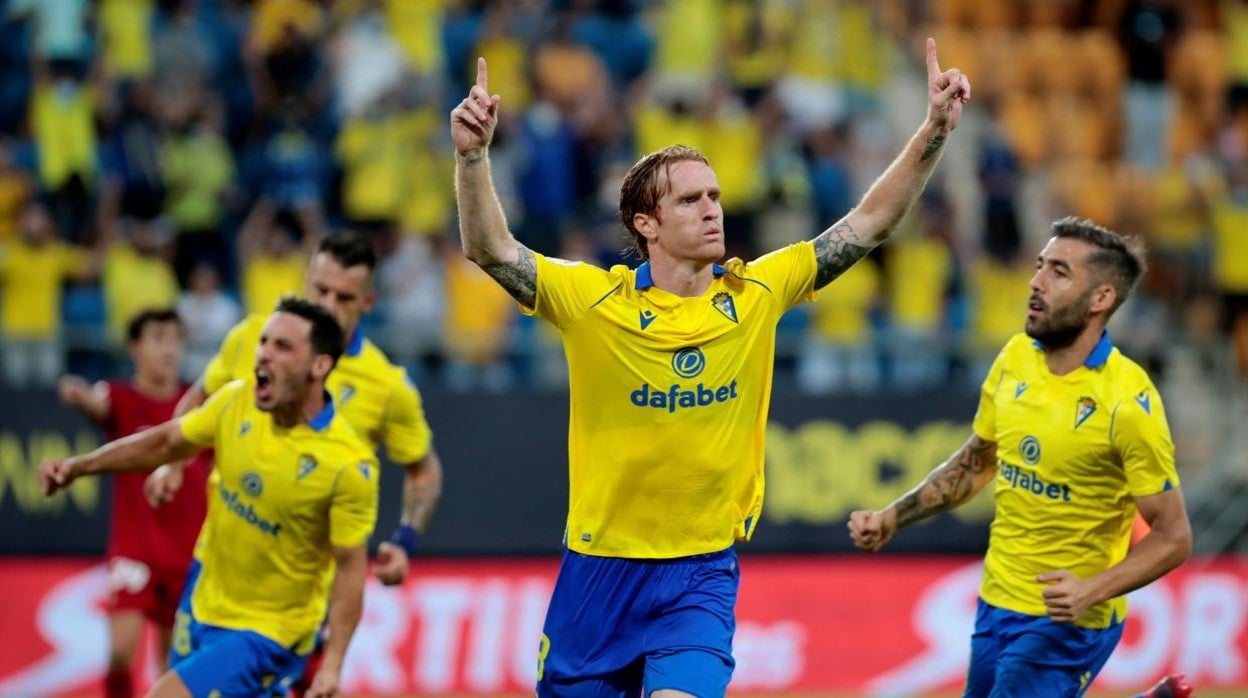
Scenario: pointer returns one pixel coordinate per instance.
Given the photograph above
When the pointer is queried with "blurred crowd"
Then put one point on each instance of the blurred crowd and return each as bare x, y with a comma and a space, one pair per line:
188, 153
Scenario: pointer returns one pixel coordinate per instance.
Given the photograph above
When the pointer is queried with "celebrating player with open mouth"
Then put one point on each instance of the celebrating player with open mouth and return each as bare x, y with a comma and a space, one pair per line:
292, 502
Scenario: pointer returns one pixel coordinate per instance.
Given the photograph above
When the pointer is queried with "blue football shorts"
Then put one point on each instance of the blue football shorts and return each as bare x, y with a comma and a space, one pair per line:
1017, 655
620, 627
226, 663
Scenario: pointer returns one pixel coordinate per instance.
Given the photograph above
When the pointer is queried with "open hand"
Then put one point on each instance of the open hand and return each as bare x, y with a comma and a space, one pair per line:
947, 92
1067, 597
870, 530
473, 121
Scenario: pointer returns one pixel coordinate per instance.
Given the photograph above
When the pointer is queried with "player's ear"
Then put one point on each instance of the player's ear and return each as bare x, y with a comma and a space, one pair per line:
322, 364
370, 299
1104, 297
645, 225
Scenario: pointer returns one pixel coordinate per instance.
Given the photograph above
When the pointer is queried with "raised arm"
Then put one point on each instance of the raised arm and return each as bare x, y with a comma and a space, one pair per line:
142, 451
950, 485
482, 225
891, 196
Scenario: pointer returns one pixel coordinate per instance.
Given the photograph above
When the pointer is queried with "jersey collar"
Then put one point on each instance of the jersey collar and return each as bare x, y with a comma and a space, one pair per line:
356, 343
1100, 352
325, 416
645, 281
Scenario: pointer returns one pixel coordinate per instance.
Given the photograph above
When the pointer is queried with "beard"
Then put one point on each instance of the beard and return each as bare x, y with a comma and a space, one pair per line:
1060, 327
289, 392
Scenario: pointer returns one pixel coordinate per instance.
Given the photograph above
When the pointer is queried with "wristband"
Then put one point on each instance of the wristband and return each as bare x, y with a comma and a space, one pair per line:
405, 537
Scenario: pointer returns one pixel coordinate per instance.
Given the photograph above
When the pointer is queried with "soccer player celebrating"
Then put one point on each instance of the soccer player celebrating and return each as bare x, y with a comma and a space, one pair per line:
670, 375
293, 499
1073, 436
148, 549
373, 395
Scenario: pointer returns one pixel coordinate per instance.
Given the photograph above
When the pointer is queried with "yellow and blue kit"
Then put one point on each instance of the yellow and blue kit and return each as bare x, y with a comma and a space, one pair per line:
1074, 451
279, 501
669, 399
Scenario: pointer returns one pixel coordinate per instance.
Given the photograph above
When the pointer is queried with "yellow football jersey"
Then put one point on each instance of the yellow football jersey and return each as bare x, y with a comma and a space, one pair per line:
279, 500
375, 397
669, 400
1072, 453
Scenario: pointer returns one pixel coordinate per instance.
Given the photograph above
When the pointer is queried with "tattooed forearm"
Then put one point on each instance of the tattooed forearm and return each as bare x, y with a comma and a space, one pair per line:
837, 249
472, 158
519, 278
950, 485
421, 488
933, 146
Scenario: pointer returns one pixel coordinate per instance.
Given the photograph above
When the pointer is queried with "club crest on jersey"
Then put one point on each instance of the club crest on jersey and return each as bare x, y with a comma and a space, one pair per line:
345, 395
307, 463
1084, 409
1145, 401
723, 303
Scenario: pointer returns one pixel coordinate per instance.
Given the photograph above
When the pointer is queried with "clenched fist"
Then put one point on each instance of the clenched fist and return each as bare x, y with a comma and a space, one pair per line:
55, 474
872, 529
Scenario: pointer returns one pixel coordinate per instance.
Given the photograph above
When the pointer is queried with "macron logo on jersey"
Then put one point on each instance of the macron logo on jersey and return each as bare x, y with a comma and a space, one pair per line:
1145, 401
646, 317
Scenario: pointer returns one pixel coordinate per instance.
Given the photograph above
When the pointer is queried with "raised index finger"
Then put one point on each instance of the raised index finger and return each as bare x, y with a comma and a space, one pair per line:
483, 76
933, 68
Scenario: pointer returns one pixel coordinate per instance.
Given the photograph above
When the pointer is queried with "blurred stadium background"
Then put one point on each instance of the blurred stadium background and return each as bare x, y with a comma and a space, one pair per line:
185, 152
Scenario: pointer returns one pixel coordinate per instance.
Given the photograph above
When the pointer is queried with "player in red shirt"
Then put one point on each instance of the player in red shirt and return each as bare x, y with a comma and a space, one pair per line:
149, 549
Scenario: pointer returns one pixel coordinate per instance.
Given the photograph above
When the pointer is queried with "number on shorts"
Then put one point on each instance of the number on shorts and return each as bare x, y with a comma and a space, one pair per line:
543, 649
182, 633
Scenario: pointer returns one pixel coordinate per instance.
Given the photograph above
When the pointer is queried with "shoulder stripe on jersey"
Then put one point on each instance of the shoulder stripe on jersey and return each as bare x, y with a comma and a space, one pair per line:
617, 287
753, 281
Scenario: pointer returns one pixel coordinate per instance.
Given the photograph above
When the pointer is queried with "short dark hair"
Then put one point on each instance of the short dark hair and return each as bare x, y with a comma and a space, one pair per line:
349, 248
151, 316
1118, 259
327, 337
641, 190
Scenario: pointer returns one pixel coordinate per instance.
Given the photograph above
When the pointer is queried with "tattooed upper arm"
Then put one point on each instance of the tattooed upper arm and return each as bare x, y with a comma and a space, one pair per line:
519, 278
951, 484
837, 249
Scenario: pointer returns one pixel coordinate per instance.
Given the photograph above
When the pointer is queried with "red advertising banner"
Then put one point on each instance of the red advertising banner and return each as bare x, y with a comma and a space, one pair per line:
867, 625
